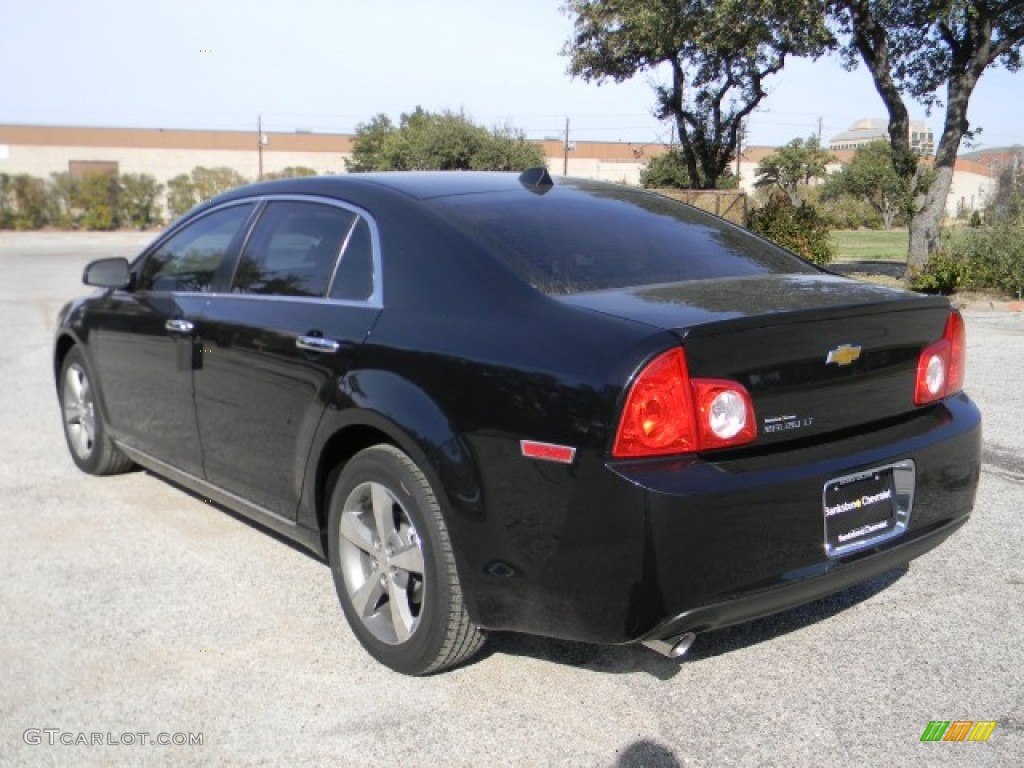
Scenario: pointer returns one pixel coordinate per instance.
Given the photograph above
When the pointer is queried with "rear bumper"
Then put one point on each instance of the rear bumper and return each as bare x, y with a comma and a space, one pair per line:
627, 552
734, 541
814, 583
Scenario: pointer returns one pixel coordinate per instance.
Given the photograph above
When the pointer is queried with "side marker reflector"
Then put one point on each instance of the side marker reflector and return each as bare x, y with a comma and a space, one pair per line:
563, 454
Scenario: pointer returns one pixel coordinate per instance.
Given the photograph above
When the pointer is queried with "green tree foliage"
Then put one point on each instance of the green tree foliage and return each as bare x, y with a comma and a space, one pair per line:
97, 196
989, 258
181, 195
792, 168
6, 207
138, 196
508, 149
871, 177
291, 172
61, 201
719, 55
439, 141
210, 182
800, 228
184, 192
25, 201
666, 171
920, 49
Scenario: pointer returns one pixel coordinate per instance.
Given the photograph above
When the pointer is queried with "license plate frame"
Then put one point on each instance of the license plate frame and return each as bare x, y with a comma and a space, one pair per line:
864, 508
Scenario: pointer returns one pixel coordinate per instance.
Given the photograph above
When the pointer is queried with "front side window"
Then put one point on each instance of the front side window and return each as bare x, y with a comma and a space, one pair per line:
189, 260
293, 249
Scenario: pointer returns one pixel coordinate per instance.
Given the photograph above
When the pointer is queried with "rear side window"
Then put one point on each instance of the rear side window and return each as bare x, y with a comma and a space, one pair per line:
189, 260
581, 237
293, 249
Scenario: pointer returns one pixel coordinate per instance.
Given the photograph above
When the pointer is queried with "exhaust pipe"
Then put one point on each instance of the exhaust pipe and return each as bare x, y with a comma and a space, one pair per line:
672, 647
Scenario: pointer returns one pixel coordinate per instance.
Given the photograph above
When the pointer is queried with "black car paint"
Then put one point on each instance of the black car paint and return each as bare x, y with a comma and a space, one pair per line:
464, 361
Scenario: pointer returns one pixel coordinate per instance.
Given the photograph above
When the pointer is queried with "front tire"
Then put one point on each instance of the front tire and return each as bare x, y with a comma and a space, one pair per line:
84, 429
393, 565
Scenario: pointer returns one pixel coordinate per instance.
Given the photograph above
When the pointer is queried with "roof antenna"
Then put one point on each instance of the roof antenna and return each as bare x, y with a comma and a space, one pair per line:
537, 180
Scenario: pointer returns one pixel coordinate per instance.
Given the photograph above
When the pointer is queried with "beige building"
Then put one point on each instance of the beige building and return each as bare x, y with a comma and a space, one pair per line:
867, 130
43, 150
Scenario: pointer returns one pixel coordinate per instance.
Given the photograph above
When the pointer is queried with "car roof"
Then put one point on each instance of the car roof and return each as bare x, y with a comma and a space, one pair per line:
421, 185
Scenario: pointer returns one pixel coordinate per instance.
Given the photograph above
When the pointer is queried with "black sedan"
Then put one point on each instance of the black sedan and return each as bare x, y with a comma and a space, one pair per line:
503, 402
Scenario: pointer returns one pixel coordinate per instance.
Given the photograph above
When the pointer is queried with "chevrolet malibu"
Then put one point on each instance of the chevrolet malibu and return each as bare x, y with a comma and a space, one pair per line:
504, 402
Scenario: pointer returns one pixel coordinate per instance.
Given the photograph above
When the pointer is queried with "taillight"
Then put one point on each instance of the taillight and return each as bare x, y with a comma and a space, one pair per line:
940, 368
667, 412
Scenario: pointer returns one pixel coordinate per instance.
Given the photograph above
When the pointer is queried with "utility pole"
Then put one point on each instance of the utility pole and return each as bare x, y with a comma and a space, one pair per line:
819, 131
259, 144
565, 150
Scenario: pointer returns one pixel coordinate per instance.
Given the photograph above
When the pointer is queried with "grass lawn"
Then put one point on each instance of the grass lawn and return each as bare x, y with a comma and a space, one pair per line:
870, 244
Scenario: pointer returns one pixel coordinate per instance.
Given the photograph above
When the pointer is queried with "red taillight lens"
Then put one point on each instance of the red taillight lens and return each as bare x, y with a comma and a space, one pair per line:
666, 412
940, 369
658, 417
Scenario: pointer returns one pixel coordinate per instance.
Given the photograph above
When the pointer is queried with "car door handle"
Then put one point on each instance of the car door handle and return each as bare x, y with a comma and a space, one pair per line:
177, 325
317, 344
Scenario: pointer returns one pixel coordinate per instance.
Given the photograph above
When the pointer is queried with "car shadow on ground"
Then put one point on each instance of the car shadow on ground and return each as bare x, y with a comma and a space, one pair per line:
635, 658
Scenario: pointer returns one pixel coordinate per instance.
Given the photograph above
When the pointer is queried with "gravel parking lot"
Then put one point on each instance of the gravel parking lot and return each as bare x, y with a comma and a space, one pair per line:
131, 607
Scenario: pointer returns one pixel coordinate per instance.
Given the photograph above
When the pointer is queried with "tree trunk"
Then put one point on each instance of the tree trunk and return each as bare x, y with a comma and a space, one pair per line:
926, 223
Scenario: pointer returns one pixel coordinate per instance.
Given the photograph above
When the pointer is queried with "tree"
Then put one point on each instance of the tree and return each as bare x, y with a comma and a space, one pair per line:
719, 55
792, 168
666, 171
871, 176
915, 49
138, 200
508, 149
439, 141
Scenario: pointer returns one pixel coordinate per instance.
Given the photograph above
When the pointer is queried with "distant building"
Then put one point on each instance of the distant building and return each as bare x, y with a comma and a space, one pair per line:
867, 130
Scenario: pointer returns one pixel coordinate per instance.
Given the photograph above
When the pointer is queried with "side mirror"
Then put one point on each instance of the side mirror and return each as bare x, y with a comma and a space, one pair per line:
108, 273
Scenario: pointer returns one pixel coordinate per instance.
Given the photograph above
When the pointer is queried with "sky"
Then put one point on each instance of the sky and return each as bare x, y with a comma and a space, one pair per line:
328, 65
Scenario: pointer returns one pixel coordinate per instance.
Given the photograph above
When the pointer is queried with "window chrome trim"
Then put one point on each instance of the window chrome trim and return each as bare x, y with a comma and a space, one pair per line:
376, 299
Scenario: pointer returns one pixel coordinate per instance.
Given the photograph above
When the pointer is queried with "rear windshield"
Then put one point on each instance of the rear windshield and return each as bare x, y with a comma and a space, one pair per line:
579, 237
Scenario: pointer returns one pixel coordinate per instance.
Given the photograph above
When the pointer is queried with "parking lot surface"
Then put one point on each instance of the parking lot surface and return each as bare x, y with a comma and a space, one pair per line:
132, 611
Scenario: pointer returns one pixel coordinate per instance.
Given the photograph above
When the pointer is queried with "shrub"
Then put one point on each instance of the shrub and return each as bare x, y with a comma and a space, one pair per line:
26, 202
943, 273
978, 258
138, 200
97, 197
291, 172
801, 229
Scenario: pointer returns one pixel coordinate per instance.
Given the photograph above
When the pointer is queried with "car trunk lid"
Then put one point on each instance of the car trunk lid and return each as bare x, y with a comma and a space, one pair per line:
818, 354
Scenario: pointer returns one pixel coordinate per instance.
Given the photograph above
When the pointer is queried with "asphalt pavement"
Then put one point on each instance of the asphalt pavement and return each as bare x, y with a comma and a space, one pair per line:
133, 612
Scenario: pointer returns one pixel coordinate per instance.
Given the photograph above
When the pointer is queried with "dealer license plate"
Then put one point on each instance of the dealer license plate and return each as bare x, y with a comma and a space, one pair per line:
866, 507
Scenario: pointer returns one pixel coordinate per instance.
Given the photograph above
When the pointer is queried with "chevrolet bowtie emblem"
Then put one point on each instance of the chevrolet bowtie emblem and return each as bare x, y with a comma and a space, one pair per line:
844, 354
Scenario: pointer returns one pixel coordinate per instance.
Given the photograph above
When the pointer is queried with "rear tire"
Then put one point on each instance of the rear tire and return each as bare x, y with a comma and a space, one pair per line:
84, 430
393, 565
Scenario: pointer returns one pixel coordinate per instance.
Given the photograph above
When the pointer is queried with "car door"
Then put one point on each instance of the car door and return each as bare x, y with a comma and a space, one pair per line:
143, 343
303, 298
